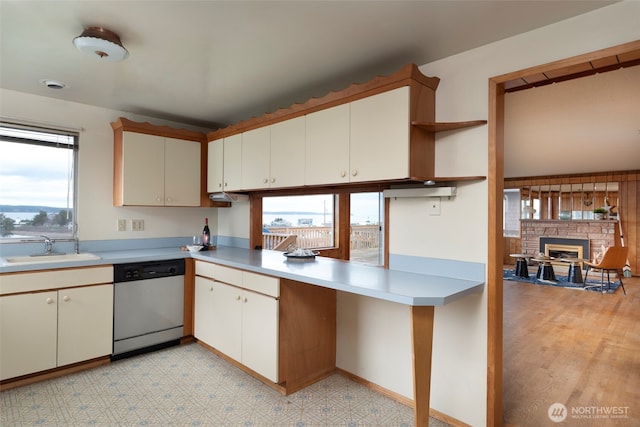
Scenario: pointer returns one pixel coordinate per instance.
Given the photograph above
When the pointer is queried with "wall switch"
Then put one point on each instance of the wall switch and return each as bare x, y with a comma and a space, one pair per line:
434, 206
137, 224
122, 224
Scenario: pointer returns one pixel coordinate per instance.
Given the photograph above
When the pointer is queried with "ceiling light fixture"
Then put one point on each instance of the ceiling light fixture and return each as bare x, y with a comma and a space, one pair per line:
103, 43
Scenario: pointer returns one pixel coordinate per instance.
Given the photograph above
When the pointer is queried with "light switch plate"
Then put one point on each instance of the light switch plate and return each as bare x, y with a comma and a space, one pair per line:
122, 224
434, 206
137, 224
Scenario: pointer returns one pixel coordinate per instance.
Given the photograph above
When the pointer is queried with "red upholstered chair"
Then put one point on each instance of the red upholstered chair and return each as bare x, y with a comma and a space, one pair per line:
613, 259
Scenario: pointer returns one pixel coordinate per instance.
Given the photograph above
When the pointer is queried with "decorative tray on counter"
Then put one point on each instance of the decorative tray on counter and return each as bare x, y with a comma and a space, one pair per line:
301, 255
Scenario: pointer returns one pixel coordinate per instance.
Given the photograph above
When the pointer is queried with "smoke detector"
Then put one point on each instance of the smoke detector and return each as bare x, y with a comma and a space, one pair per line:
53, 84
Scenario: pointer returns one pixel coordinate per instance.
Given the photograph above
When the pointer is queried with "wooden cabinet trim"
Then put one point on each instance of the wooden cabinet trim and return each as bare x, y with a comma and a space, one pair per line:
409, 75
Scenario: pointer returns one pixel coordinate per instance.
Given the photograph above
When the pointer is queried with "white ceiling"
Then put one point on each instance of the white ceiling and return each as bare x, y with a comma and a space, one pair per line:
213, 63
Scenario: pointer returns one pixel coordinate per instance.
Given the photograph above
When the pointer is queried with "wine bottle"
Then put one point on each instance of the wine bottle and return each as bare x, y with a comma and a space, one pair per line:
206, 234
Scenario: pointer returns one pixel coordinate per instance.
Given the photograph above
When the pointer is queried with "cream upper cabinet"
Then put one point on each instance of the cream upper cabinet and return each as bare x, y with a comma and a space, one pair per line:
159, 171
327, 146
225, 164
181, 172
287, 165
379, 136
143, 169
215, 166
256, 146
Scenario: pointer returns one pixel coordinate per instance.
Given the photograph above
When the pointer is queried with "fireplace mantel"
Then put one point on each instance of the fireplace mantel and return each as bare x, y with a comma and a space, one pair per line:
603, 232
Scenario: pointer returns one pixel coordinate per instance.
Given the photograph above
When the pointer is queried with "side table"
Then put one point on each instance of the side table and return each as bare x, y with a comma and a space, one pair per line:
521, 264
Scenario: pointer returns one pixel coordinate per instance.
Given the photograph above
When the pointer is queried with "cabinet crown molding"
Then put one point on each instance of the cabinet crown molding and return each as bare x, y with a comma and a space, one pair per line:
408, 75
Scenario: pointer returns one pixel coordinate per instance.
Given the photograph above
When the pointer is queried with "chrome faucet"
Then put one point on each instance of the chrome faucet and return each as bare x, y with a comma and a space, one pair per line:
48, 244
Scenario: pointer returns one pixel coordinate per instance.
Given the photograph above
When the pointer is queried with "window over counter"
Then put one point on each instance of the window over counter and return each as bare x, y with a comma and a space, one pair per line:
37, 182
312, 222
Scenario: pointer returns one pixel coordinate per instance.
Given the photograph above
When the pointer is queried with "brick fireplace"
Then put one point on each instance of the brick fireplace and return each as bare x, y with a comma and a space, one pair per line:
597, 232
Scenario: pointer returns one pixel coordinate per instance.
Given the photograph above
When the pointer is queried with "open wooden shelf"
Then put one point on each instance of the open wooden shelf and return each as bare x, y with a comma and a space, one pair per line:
445, 126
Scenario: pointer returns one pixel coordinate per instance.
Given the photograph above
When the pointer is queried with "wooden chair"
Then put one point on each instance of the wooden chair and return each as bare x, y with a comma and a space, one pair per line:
613, 259
284, 245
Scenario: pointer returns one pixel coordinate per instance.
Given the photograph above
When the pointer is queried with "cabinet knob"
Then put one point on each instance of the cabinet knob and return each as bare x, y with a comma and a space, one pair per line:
354, 172
158, 199
225, 184
219, 185
343, 174
210, 288
265, 180
238, 298
245, 299
169, 199
273, 180
66, 298
49, 301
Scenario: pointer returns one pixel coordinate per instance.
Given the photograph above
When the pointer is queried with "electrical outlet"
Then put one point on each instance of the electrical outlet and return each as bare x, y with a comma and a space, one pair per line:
434, 206
137, 224
122, 224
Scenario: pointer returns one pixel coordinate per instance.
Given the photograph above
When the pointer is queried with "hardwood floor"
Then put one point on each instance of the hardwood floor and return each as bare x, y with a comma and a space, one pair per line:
578, 348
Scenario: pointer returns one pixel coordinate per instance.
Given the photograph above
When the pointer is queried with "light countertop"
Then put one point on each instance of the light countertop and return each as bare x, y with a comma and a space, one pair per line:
391, 285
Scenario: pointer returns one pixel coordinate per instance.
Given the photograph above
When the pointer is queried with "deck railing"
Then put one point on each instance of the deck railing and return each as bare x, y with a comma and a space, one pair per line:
362, 236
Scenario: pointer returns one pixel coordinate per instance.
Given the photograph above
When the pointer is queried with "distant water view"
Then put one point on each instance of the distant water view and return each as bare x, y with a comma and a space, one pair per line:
296, 219
21, 216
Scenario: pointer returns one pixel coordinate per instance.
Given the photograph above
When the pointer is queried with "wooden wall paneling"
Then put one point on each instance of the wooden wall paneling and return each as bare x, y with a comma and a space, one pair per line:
307, 333
189, 295
629, 211
495, 251
255, 221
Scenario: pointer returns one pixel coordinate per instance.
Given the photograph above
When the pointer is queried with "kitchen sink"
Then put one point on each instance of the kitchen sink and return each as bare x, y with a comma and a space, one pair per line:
36, 259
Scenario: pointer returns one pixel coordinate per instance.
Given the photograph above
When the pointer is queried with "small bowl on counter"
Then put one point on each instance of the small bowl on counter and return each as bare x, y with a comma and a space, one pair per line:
194, 248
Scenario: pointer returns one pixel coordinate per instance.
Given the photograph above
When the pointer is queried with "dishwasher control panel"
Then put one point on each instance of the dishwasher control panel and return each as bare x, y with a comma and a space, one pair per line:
147, 270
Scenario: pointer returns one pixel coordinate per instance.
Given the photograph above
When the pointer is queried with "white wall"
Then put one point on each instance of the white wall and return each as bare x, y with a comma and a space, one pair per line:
459, 373
96, 216
559, 120
463, 95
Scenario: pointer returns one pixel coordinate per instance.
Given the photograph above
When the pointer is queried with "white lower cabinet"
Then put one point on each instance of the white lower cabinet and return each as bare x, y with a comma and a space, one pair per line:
44, 330
28, 333
260, 333
85, 323
238, 322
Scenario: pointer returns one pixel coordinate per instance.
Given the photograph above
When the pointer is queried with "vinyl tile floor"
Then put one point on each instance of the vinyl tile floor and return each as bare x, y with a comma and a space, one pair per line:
190, 386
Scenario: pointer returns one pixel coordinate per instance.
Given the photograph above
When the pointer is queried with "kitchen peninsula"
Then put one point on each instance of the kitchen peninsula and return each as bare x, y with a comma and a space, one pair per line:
419, 292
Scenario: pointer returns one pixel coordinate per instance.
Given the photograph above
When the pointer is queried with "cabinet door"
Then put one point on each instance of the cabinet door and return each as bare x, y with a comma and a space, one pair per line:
233, 163
227, 320
28, 333
327, 146
143, 169
204, 316
215, 164
287, 153
379, 143
85, 323
255, 158
260, 334
181, 172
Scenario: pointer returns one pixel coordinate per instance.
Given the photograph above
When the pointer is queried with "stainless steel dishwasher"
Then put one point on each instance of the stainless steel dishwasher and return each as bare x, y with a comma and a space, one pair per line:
148, 306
